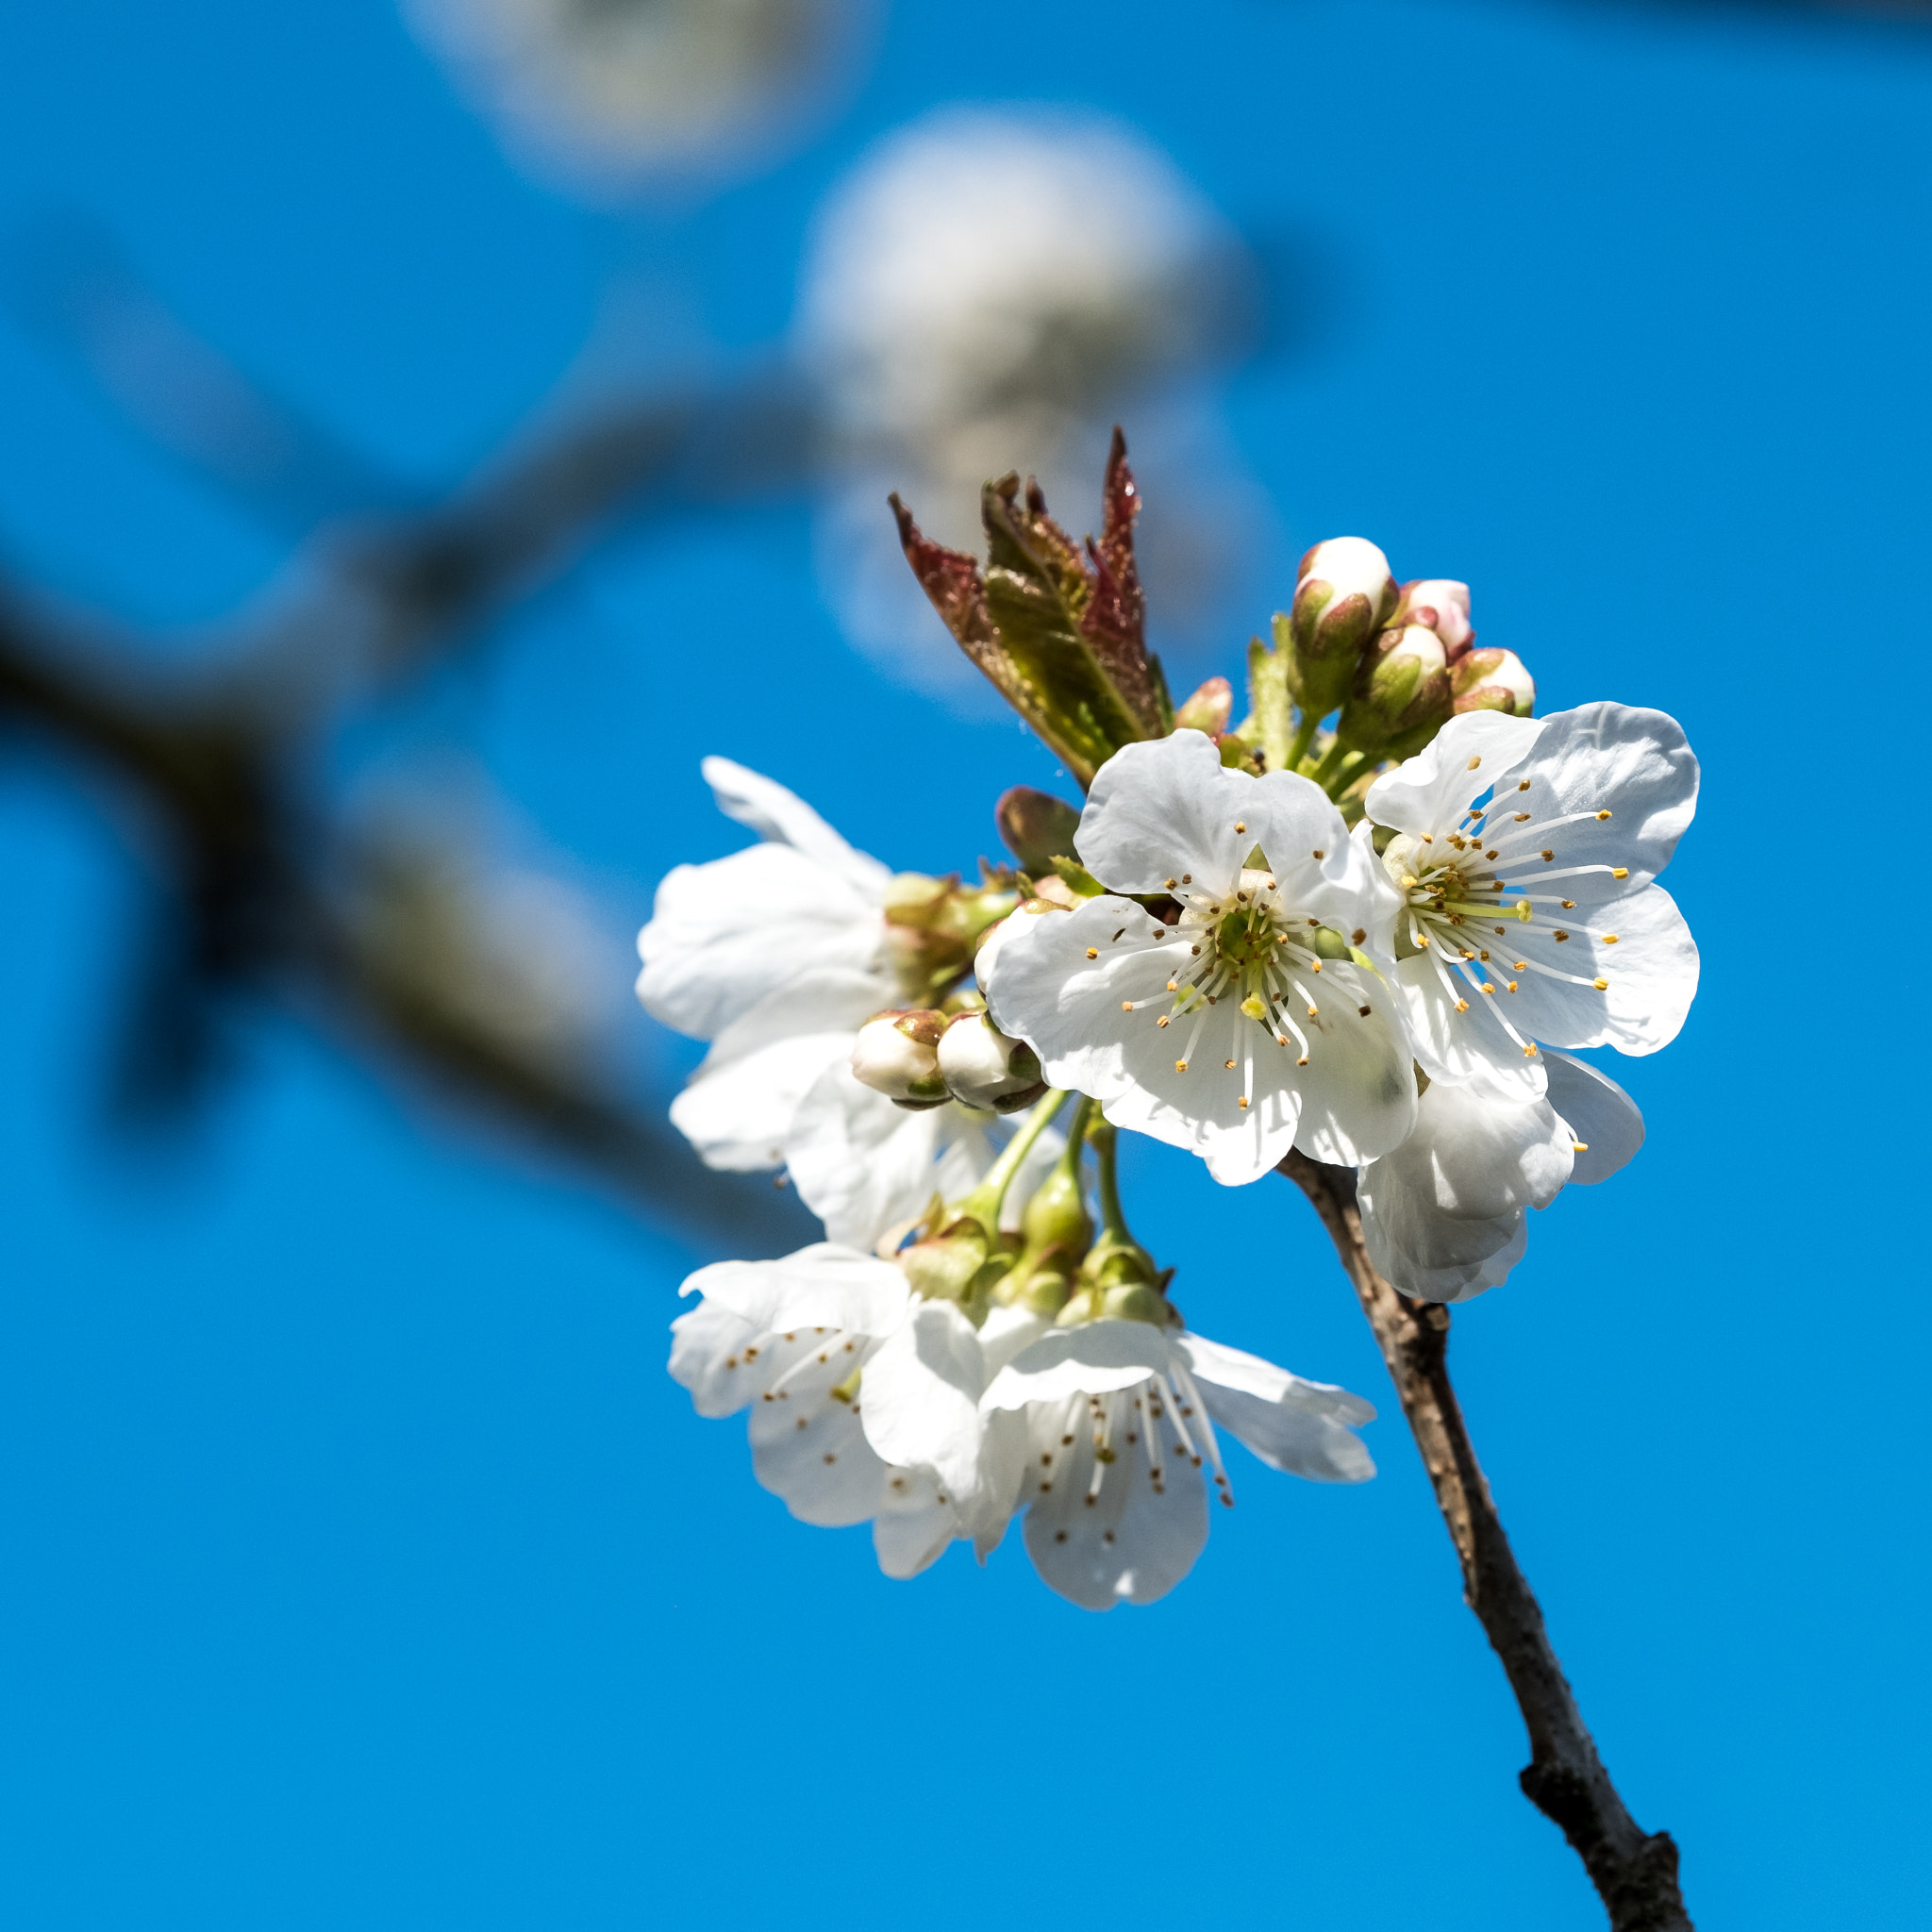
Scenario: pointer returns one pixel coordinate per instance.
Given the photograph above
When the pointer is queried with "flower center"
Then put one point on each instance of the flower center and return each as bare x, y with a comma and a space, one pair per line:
1469, 920
1251, 949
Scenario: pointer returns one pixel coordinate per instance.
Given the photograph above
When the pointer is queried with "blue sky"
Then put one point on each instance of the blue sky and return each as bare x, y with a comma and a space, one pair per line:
360, 1563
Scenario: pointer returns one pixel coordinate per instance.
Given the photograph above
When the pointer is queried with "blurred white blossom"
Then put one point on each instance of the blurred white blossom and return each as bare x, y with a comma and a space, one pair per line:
613, 92
984, 291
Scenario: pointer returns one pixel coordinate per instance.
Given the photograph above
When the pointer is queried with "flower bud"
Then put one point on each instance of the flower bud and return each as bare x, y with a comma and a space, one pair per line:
1056, 1229
948, 1266
931, 924
1401, 697
1036, 827
1343, 597
984, 1068
1442, 605
1209, 709
896, 1054
1493, 681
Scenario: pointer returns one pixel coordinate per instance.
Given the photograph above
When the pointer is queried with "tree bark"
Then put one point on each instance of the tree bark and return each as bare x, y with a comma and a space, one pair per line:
1635, 1873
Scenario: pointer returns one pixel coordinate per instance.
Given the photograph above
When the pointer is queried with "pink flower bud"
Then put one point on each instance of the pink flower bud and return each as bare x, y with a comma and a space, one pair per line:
1345, 595
1493, 681
1442, 605
1207, 710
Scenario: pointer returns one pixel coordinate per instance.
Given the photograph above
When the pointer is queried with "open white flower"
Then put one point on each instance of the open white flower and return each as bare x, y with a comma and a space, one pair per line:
1252, 1024
1120, 1424
777, 955
1535, 918
1443, 1216
843, 1369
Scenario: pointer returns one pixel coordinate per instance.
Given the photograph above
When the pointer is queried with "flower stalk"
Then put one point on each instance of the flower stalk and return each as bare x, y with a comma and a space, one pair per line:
1635, 1871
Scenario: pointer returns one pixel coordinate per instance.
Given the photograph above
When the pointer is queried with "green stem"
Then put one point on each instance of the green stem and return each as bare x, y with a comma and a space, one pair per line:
1114, 1221
1349, 774
1326, 769
985, 1202
1303, 736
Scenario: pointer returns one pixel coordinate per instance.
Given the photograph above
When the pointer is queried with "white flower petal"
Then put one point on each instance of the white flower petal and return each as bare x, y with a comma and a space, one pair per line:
1442, 1213
1131, 1538
861, 1164
740, 1105
913, 1526
1305, 1429
708, 1357
1088, 1360
1465, 1048
1650, 977
1599, 1113
1634, 763
1357, 1091
726, 934
822, 1286
807, 1443
1163, 808
784, 818
920, 1398
1431, 791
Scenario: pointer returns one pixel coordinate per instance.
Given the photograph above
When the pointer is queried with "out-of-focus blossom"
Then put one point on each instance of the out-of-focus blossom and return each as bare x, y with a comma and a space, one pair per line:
984, 291
611, 93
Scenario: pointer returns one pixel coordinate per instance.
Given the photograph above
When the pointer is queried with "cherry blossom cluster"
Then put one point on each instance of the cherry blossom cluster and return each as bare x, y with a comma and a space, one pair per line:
1378, 945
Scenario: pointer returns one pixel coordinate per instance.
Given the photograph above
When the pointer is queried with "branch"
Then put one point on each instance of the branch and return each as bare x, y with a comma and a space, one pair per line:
1635, 1873
244, 869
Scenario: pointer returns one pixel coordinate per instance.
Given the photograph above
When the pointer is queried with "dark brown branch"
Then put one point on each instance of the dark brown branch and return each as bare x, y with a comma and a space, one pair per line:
1635, 1873
244, 867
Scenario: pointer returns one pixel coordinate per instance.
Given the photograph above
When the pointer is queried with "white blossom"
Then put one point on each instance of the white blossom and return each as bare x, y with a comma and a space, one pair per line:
610, 92
981, 293
1254, 1024
1120, 1427
864, 1398
778, 955
1535, 918
1443, 1216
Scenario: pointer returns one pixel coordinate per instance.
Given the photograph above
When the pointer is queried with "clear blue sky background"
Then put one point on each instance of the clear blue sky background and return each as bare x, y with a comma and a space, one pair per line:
358, 1563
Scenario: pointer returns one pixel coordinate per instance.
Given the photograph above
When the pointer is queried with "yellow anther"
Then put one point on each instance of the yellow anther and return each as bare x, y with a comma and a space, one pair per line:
1603, 814
1281, 1040
1093, 952
1601, 985
1241, 825
1171, 884
1620, 872
1463, 1006
1164, 1019
1303, 1061
1512, 985
1242, 1102
1529, 1051
1568, 905
1548, 854
1473, 764
1410, 884
1173, 985
1609, 938
1489, 986
1230, 1066
1522, 818
1522, 785
1311, 1012
1320, 854
1579, 1146
1314, 965
1520, 966
1180, 1066
1126, 1005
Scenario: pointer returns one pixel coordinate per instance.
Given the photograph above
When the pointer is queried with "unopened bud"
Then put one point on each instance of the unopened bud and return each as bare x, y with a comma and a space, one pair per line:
915, 899
1401, 697
1209, 709
1035, 826
1345, 595
984, 1068
1442, 605
948, 1266
931, 924
896, 1054
1493, 681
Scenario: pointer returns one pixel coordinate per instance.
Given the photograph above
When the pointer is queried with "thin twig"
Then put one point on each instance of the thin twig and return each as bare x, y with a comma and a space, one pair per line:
1635, 1873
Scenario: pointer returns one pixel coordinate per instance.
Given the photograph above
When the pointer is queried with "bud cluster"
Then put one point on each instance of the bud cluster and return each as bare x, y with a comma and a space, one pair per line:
1399, 660
923, 1056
